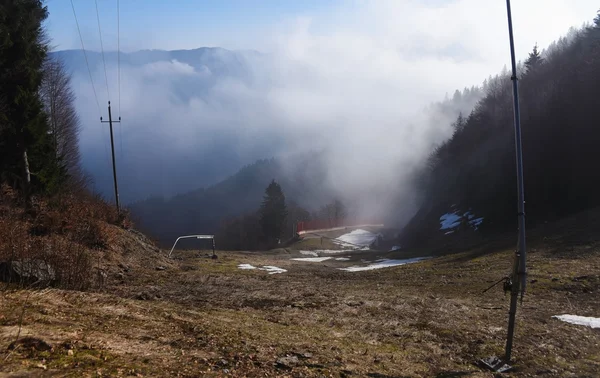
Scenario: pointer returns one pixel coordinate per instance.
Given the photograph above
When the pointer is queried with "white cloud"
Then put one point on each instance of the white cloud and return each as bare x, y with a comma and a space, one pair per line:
354, 79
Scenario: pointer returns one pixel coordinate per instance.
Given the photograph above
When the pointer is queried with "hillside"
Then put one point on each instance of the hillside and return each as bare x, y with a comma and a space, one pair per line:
474, 171
204, 210
197, 316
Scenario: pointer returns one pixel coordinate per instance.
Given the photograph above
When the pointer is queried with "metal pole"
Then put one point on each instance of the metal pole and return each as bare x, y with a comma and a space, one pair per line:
519, 275
112, 147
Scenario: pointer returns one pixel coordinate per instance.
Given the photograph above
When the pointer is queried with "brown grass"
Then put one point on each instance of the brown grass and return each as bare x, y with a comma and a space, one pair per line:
202, 317
67, 232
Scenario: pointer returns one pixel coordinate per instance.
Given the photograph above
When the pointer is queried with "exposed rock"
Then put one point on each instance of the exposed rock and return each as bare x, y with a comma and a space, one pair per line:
144, 296
287, 362
27, 271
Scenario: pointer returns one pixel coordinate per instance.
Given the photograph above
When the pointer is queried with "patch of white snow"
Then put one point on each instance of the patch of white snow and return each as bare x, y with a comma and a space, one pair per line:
268, 268
273, 269
357, 238
312, 259
395, 248
449, 220
342, 258
309, 253
579, 320
384, 263
476, 222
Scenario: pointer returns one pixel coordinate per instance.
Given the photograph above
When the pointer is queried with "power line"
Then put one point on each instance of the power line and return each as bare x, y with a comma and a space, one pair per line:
119, 73
90, 73
119, 54
86, 59
102, 49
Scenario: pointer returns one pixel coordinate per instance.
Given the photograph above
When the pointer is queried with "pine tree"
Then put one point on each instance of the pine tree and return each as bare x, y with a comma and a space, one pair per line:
273, 212
534, 59
597, 20
25, 144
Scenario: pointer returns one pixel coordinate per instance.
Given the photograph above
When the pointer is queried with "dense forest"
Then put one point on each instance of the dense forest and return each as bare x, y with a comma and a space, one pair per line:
38, 123
560, 105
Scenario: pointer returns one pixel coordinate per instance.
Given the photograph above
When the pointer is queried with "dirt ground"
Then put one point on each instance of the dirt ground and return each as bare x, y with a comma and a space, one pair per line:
196, 316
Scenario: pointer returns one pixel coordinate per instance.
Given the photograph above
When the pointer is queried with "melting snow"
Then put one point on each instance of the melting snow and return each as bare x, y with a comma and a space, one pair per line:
449, 220
268, 268
579, 320
476, 222
326, 251
384, 263
452, 220
357, 238
273, 269
312, 259
395, 248
342, 258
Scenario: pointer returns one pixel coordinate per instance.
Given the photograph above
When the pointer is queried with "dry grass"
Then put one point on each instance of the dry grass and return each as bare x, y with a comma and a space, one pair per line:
195, 316
203, 317
68, 232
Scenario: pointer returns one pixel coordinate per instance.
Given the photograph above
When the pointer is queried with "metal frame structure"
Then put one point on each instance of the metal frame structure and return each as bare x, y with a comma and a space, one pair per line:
212, 237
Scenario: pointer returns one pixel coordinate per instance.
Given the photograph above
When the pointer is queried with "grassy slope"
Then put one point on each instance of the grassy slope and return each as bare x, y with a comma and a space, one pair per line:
203, 317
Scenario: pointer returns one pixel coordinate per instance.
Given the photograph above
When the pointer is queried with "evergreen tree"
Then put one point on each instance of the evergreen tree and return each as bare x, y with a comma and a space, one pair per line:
25, 144
534, 59
273, 212
597, 20
339, 212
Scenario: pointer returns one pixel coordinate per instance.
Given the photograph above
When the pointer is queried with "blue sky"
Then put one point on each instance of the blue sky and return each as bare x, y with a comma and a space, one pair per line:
172, 24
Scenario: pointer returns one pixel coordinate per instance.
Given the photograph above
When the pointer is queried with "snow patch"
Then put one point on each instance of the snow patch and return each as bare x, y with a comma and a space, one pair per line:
452, 220
357, 238
383, 263
268, 268
395, 248
342, 258
317, 252
273, 269
312, 259
449, 232
476, 222
449, 220
579, 320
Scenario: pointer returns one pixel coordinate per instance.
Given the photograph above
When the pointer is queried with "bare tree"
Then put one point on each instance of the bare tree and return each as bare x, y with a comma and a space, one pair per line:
58, 100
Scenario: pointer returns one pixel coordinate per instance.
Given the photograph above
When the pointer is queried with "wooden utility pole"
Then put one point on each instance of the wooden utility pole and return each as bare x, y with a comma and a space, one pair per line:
112, 148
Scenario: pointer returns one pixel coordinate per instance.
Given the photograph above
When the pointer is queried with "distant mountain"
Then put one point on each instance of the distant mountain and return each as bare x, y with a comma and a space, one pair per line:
221, 62
181, 111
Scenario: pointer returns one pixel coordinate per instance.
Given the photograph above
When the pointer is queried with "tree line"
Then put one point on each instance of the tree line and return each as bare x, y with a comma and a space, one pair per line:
39, 127
560, 105
273, 223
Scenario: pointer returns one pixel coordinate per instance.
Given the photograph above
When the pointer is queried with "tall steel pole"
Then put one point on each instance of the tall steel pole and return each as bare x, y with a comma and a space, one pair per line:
112, 147
519, 274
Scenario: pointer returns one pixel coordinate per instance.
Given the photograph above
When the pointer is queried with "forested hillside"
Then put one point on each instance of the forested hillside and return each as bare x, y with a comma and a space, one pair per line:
206, 210
474, 170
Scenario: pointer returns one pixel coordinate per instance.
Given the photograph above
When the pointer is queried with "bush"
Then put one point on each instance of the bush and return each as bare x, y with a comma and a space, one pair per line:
65, 232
